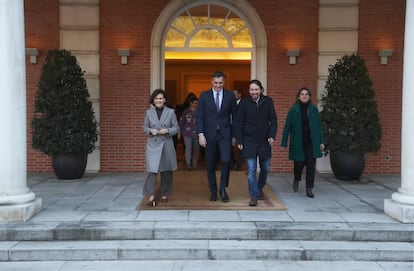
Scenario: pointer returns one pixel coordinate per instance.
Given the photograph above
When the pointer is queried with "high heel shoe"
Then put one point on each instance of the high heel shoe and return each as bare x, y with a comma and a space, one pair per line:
309, 193
295, 186
151, 201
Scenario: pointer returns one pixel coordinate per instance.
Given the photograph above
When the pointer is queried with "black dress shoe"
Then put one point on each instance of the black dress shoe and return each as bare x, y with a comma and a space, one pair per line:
309, 193
295, 186
253, 202
224, 196
213, 197
261, 196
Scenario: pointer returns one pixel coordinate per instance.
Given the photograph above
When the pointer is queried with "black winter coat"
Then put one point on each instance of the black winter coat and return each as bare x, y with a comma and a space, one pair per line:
256, 123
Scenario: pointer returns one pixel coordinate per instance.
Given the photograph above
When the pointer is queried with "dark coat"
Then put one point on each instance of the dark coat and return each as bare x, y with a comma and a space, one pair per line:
293, 128
208, 119
256, 124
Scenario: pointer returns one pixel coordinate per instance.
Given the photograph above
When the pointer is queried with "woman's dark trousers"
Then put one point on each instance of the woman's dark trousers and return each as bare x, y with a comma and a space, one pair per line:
309, 162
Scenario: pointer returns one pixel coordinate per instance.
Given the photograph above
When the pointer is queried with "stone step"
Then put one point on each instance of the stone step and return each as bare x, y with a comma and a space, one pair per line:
206, 265
298, 250
137, 230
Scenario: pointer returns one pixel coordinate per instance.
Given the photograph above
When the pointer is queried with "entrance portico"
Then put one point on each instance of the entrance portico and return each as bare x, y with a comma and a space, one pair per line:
14, 194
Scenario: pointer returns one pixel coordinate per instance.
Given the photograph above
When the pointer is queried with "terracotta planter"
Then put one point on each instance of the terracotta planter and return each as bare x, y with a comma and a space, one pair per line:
69, 166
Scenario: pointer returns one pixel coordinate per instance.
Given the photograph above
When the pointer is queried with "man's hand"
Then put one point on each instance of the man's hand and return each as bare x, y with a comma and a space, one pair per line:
153, 132
240, 146
202, 140
270, 140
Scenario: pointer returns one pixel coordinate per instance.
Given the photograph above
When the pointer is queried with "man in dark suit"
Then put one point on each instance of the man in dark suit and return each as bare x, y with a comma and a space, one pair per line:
215, 112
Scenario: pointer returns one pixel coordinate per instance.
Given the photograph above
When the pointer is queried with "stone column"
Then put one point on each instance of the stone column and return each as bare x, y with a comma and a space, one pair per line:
401, 204
17, 202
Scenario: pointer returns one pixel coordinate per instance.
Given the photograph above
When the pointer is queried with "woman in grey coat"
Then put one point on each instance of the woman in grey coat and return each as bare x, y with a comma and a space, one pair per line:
160, 125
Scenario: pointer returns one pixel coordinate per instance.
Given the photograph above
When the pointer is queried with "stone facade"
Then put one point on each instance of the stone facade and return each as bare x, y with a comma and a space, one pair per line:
323, 30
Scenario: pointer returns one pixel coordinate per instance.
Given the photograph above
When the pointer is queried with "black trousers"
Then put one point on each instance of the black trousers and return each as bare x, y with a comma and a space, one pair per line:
237, 158
218, 149
310, 164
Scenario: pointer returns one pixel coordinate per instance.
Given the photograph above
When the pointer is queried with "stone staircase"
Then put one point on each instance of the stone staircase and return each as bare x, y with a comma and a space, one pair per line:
92, 224
211, 241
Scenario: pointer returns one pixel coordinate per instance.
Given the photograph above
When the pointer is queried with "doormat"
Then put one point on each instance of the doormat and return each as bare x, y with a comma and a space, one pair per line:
190, 192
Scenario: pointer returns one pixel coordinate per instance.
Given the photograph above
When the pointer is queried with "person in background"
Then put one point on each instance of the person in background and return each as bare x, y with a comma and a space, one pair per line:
179, 110
237, 153
188, 131
303, 128
256, 132
215, 112
160, 125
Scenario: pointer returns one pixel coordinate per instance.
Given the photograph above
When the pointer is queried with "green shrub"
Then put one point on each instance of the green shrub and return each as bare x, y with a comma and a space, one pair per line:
63, 121
349, 112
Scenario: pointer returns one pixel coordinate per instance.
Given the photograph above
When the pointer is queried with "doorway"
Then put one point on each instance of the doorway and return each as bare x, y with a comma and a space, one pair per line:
185, 76
201, 37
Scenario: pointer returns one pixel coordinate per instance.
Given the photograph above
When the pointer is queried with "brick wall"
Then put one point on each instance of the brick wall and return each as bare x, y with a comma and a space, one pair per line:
41, 32
125, 89
381, 26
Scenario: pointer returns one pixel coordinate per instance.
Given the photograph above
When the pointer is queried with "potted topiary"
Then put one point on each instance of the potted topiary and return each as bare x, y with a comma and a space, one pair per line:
64, 124
349, 117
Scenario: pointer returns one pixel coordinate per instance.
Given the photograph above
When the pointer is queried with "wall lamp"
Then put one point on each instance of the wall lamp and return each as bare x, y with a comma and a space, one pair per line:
384, 54
292, 54
33, 53
124, 54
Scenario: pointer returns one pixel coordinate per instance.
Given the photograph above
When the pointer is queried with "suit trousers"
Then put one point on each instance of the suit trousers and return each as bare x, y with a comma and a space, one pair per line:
237, 158
218, 147
310, 164
150, 185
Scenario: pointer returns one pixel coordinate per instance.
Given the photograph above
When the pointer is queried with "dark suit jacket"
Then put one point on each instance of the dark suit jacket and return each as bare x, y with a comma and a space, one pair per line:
208, 119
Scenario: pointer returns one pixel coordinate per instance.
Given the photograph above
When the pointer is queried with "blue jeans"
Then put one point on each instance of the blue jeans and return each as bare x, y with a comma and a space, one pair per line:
255, 186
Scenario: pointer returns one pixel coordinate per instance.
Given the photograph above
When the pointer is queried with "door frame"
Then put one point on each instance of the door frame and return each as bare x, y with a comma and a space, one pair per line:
241, 7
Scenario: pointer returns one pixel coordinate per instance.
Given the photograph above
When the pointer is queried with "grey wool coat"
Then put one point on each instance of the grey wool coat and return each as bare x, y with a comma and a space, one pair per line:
160, 151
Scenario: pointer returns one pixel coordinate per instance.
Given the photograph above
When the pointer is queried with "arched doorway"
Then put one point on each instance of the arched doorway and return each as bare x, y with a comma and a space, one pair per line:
202, 39
191, 39
240, 8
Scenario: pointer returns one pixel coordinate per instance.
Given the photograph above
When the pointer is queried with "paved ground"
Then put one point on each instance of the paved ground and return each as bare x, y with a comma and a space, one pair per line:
114, 197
